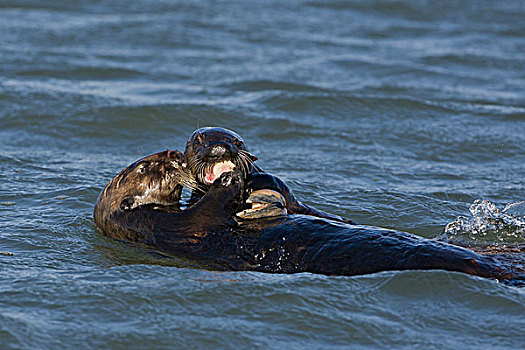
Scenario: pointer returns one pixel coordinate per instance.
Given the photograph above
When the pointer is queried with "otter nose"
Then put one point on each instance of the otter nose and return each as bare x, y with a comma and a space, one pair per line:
217, 151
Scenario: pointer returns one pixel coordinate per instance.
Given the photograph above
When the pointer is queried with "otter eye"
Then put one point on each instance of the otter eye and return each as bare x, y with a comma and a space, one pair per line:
238, 143
127, 204
143, 167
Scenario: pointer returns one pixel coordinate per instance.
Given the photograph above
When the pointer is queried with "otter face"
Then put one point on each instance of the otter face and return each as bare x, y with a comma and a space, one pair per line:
155, 179
213, 151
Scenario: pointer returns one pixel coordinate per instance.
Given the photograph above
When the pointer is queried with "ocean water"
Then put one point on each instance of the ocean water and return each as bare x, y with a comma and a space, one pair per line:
394, 113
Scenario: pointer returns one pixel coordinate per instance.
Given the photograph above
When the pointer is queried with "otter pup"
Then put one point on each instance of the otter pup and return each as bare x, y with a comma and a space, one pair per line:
155, 180
140, 204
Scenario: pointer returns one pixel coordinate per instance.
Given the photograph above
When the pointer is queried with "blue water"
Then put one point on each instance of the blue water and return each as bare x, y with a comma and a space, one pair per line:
398, 114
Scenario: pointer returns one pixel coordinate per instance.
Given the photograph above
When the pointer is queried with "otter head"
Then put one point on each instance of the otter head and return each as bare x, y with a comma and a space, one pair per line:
155, 179
212, 151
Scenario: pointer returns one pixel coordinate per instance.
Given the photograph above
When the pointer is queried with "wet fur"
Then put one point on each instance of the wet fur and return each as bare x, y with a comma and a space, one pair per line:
200, 157
207, 232
155, 180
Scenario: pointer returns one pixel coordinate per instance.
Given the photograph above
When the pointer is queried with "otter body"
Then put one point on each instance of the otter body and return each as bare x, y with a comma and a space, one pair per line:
210, 232
154, 181
302, 243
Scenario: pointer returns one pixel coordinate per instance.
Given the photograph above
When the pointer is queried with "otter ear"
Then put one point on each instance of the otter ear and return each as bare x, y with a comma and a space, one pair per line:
127, 204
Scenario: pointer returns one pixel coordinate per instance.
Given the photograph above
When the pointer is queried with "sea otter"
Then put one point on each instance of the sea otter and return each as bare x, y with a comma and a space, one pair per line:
155, 181
210, 232
211, 151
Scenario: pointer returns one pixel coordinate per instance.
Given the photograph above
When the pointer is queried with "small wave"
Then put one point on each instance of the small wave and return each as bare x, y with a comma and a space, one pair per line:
82, 73
272, 85
489, 225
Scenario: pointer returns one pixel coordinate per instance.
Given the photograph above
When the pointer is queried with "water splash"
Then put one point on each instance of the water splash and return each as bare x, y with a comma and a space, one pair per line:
489, 225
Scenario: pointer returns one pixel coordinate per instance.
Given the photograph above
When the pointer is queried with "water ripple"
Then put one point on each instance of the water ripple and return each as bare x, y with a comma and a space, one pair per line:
393, 113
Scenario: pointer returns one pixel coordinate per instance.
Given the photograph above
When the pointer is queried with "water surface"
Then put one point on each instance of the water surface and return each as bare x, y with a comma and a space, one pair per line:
398, 114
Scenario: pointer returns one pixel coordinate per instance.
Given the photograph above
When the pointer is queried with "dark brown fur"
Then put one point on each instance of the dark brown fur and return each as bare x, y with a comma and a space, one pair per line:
155, 180
207, 233
201, 153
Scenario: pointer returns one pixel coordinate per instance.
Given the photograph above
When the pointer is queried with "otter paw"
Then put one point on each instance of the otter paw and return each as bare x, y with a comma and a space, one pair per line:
227, 179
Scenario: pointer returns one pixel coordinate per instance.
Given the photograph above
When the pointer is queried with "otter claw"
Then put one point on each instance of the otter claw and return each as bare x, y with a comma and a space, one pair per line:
265, 203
